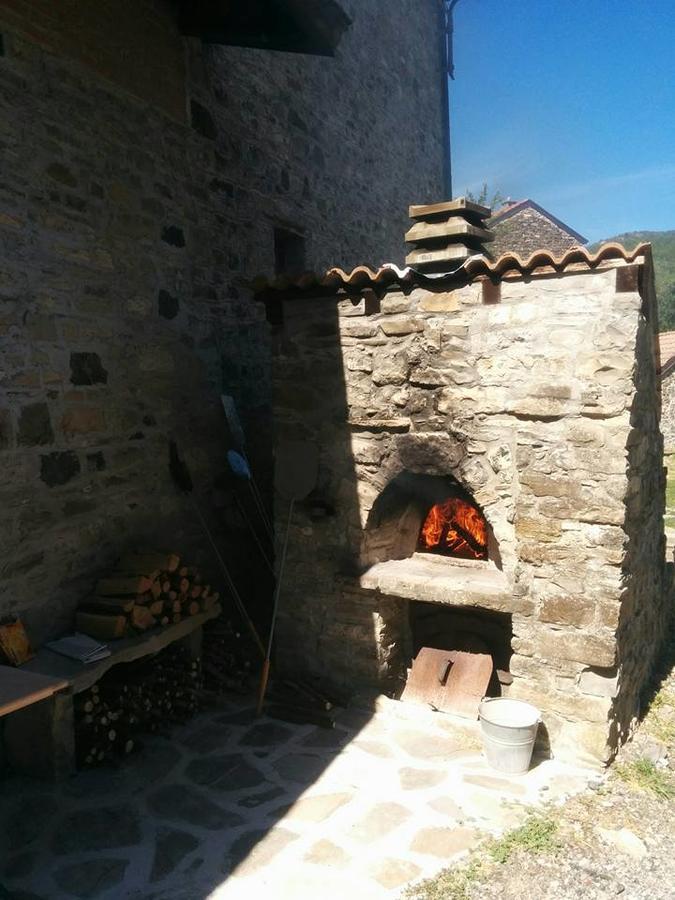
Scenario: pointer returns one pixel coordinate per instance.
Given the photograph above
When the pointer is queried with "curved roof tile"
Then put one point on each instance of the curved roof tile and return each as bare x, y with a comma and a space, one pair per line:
363, 277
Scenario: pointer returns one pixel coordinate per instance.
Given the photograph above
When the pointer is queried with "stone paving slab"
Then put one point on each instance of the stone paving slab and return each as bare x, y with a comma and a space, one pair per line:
231, 806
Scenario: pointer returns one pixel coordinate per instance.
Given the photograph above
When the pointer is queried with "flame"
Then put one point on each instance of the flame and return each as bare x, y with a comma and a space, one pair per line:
455, 528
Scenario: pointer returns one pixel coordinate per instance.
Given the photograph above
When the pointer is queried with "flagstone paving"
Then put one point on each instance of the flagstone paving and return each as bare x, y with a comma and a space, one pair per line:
231, 806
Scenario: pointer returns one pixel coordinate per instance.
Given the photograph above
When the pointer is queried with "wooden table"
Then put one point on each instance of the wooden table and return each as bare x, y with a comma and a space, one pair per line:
19, 688
39, 735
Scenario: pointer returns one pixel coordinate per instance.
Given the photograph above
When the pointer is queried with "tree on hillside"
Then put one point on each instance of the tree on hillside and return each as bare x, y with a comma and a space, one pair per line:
666, 298
663, 253
486, 197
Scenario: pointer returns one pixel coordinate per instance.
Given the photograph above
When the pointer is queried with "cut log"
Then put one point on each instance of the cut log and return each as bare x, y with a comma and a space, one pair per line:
141, 618
156, 607
114, 605
124, 587
193, 608
100, 626
196, 591
144, 563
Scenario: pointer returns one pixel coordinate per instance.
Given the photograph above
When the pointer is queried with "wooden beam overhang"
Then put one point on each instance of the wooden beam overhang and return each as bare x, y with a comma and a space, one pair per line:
313, 27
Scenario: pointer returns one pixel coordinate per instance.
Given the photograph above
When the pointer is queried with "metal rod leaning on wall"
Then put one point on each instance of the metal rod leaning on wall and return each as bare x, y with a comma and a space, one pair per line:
295, 473
183, 481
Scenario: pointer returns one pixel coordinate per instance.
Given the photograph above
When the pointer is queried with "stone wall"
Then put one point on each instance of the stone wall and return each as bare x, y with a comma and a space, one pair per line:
527, 231
668, 410
543, 405
127, 240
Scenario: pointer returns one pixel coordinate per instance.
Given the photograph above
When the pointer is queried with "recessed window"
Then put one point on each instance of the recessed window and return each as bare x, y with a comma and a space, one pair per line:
289, 252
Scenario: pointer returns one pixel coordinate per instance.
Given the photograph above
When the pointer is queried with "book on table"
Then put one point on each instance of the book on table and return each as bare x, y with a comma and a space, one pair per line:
80, 647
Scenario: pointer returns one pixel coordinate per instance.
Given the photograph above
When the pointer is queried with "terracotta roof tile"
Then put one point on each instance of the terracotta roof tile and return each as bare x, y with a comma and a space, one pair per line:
509, 264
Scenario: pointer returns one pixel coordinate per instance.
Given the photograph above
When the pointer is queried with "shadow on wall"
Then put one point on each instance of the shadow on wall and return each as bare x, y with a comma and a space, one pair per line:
641, 639
203, 805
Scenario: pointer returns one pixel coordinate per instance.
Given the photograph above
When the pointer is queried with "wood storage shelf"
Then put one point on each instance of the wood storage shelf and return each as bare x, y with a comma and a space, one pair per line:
40, 739
80, 676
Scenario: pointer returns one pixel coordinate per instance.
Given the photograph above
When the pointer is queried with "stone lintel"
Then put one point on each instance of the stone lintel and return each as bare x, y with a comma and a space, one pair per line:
439, 580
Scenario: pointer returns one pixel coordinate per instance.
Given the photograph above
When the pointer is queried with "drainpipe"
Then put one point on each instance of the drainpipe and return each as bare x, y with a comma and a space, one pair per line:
448, 7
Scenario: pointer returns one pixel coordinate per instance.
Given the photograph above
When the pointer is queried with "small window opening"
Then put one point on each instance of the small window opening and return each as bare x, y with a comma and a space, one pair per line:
289, 252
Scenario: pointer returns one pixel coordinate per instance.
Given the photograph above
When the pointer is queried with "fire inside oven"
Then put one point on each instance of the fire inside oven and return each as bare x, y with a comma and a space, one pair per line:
454, 527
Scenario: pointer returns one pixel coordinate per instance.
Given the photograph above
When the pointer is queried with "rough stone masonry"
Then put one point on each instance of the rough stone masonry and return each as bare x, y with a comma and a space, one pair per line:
538, 395
142, 177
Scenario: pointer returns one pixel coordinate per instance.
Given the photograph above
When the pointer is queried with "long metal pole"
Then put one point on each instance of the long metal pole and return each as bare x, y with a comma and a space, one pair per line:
448, 73
228, 578
266, 665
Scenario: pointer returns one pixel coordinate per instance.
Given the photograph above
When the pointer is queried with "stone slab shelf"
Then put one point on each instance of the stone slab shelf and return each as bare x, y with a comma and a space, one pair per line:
81, 676
439, 580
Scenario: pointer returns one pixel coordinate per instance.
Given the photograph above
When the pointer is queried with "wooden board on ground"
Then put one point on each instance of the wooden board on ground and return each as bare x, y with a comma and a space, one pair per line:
467, 683
423, 685
454, 681
19, 689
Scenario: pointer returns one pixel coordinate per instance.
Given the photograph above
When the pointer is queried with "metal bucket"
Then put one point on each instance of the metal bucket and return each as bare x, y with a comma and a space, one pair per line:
509, 729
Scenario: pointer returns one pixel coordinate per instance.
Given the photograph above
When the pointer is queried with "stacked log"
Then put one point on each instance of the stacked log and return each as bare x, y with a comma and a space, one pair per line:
145, 590
229, 660
134, 699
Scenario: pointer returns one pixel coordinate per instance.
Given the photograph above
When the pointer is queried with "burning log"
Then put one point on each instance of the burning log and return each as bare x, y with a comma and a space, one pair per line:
455, 527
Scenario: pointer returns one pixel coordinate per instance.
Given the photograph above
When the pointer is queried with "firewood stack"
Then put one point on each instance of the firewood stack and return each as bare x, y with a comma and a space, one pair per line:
145, 589
443, 235
303, 701
230, 663
133, 699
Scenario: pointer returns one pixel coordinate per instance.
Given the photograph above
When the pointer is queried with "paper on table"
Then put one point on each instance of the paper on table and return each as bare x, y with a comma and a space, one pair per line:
80, 647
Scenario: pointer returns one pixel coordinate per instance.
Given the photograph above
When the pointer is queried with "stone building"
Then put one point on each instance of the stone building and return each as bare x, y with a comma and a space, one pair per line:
523, 227
146, 176
530, 394
667, 359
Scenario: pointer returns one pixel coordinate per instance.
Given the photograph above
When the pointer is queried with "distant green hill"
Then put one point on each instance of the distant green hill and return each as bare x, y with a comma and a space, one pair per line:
663, 248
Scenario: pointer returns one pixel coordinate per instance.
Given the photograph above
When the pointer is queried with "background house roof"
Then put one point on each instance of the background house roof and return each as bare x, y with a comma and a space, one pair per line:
513, 207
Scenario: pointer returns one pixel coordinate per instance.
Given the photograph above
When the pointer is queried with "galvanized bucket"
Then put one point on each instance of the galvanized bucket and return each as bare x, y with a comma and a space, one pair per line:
509, 729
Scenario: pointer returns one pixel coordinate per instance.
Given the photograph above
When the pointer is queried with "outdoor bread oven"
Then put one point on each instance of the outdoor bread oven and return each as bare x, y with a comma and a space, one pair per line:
490, 465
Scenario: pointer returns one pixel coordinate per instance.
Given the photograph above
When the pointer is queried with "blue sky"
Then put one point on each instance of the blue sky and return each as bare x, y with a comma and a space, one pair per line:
571, 104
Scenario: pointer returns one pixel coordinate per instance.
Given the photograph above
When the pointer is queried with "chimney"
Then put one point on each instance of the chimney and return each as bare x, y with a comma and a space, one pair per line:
443, 235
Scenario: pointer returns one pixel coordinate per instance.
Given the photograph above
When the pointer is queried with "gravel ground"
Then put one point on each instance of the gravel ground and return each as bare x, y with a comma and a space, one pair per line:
613, 841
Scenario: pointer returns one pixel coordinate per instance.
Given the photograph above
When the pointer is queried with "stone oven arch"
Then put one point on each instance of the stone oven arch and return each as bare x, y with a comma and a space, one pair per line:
395, 519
